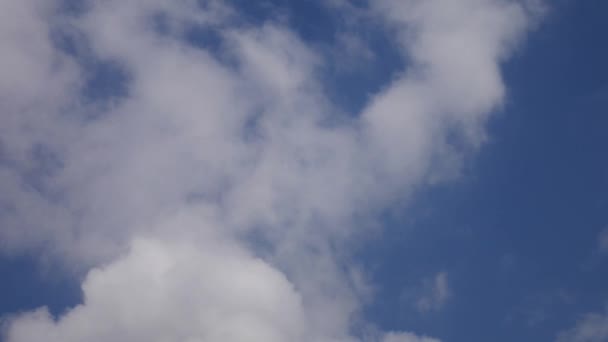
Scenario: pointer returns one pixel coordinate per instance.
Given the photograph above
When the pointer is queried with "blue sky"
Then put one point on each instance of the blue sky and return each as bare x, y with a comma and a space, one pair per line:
481, 217
519, 233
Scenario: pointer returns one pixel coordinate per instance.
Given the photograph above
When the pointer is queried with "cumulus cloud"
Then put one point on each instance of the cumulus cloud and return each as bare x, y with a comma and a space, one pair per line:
215, 197
174, 292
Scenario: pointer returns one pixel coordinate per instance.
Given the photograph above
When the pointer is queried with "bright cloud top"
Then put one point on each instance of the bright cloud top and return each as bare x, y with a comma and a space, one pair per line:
214, 198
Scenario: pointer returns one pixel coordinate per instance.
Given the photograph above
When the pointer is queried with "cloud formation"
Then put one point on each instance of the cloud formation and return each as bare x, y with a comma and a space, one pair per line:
174, 292
214, 198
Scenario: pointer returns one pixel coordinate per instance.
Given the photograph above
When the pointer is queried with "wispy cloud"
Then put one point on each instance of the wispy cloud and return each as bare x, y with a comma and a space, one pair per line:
435, 293
590, 328
603, 240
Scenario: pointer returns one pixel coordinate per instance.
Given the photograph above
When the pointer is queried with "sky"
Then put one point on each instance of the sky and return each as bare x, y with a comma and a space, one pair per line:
325, 171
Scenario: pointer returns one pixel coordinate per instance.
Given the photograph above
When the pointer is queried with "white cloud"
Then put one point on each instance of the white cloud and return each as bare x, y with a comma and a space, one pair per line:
205, 289
175, 292
243, 142
592, 327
